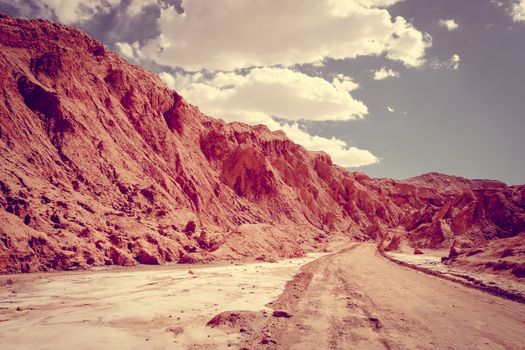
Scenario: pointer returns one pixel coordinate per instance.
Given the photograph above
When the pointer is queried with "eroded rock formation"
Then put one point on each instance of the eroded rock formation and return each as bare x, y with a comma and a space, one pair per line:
103, 164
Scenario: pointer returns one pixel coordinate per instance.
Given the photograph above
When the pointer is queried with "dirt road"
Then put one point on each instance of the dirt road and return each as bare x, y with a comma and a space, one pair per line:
356, 299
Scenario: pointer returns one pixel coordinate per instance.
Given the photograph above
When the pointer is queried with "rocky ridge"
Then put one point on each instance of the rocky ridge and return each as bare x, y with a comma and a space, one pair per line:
102, 164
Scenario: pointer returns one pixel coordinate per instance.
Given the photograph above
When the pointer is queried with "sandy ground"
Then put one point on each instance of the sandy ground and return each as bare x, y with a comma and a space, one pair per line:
357, 299
136, 308
432, 261
352, 299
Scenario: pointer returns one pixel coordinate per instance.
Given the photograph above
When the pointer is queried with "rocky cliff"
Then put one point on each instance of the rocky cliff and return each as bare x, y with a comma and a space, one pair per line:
103, 164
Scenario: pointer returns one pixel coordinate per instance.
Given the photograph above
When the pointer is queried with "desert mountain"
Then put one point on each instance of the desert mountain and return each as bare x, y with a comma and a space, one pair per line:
102, 164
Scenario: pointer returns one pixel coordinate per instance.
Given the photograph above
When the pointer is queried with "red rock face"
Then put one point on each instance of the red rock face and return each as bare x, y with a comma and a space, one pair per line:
102, 164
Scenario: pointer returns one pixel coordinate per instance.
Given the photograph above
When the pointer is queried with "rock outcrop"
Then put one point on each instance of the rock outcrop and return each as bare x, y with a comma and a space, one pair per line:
102, 164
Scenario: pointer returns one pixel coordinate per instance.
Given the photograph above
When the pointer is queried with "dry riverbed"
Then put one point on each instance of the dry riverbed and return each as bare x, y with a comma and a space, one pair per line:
135, 308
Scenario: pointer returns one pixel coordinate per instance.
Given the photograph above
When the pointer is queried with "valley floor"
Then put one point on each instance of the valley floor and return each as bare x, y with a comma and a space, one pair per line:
144, 307
352, 299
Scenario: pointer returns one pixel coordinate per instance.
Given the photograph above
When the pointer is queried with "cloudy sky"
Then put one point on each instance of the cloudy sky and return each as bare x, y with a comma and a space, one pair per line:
394, 88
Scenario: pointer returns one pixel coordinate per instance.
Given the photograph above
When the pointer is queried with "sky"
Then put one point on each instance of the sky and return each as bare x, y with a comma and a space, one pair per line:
392, 88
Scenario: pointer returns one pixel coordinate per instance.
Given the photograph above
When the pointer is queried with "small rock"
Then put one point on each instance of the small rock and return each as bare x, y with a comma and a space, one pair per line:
280, 313
519, 271
507, 252
147, 258
376, 322
191, 226
176, 330
453, 252
418, 251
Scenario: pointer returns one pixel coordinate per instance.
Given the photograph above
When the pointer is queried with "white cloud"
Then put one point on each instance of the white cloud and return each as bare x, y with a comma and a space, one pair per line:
339, 151
280, 92
451, 63
168, 79
233, 34
136, 7
449, 24
72, 11
518, 11
384, 73
129, 51
262, 93
408, 44
125, 49
378, 3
